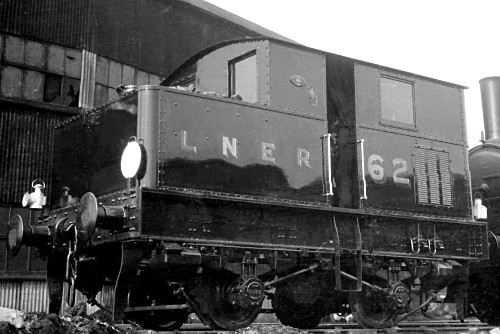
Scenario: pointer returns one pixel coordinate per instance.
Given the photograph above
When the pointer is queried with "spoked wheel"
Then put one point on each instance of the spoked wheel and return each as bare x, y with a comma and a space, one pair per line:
149, 292
294, 314
484, 297
222, 306
373, 309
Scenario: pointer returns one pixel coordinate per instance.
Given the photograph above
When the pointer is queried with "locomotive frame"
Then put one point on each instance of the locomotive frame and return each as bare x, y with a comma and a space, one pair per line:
298, 172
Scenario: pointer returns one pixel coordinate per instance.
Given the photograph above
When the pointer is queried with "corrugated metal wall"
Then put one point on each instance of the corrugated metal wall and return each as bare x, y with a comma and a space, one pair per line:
32, 296
154, 35
24, 295
26, 150
62, 21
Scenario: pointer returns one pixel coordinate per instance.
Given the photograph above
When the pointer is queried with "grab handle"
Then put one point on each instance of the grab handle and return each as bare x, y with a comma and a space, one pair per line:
329, 183
361, 144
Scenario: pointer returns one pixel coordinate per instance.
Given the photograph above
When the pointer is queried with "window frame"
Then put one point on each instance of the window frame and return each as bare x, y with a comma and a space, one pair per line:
397, 124
231, 87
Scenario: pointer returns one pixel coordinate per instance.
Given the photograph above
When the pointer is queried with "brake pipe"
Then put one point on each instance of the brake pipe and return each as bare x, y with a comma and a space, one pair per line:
373, 286
310, 268
429, 300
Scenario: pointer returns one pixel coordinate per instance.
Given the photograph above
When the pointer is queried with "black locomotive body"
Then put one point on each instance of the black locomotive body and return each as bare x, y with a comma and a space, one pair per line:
484, 162
262, 168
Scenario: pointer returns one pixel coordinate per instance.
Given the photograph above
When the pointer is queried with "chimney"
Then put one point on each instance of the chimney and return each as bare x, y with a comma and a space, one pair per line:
490, 98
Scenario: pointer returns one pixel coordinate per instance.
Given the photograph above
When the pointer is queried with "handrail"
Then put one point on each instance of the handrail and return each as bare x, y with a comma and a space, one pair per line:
328, 137
361, 142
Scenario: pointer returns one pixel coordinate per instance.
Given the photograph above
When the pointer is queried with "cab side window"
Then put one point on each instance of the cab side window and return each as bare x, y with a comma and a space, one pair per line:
243, 77
397, 102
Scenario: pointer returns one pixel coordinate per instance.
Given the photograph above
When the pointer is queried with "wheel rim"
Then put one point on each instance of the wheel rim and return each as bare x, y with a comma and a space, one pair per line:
372, 309
484, 297
159, 320
219, 311
291, 313
166, 321
148, 291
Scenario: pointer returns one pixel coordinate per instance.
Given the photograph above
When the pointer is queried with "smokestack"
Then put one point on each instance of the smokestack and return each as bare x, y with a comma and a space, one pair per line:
490, 98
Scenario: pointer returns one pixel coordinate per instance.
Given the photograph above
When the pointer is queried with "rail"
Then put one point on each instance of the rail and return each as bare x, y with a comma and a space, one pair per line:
414, 327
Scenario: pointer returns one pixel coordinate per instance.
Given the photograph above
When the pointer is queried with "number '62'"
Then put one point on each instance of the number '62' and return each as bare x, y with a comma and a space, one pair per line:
376, 170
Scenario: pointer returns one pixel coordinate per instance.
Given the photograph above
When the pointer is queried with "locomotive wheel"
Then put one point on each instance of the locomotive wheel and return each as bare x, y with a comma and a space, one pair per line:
372, 309
291, 313
218, 310
484, 297
163, 321
148, 292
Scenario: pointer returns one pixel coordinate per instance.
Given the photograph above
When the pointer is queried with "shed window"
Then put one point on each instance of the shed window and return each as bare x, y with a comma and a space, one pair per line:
397, 101
243, 77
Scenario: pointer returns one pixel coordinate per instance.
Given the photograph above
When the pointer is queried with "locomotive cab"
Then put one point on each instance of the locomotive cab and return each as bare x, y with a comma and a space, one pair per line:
265, 72
406, 136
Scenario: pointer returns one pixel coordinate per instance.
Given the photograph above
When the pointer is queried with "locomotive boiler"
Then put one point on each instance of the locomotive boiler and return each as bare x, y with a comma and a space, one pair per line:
261, 168
484, 163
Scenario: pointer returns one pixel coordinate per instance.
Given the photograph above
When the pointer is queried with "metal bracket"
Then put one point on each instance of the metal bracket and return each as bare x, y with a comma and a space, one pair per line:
193, 304
429, 300
358, 260
88, 117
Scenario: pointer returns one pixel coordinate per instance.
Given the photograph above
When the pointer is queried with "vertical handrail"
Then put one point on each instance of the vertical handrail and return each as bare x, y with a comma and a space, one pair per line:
328, 137
361, 142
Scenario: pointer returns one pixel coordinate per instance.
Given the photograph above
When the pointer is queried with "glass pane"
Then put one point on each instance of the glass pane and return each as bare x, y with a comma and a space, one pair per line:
115, 74
71, 91
397, 101
102, 71
3, 254
35, 54
142, 78
14, 49
73, 63
244, 76
12, 79
1, 54
101, 95
154, 79
52, 89
112, 94
33, 86
55, 60
128, 75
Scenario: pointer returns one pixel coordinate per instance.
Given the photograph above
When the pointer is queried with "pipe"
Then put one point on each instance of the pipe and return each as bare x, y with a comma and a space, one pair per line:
490, 99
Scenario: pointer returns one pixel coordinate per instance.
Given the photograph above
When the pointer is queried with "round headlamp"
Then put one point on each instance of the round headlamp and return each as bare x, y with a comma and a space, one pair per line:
133, 160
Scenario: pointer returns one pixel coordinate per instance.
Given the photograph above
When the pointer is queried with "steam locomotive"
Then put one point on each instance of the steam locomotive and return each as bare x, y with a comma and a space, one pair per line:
484, 295
261, 168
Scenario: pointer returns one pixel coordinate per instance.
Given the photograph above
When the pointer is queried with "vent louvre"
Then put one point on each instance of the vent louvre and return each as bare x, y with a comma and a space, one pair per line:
433, 179
420, 172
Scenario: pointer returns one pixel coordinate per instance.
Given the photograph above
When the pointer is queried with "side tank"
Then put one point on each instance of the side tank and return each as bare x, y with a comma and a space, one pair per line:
485, 158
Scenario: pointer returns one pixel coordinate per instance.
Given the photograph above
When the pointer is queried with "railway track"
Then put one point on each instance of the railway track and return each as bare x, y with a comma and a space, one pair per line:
413, 327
